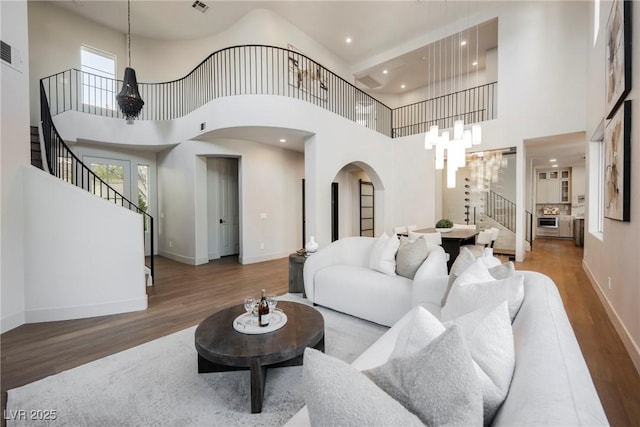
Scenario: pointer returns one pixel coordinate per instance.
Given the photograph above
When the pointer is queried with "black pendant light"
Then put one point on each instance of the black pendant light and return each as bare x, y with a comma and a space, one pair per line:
129, 98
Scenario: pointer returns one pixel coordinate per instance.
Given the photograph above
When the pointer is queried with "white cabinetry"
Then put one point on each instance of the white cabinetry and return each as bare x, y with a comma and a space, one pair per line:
553, 187
565, 226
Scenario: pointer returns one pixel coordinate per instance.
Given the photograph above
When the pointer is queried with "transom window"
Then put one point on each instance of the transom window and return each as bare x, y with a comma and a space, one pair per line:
98, 78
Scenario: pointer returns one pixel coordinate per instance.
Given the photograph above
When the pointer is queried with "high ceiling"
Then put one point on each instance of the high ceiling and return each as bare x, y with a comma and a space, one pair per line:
372, 26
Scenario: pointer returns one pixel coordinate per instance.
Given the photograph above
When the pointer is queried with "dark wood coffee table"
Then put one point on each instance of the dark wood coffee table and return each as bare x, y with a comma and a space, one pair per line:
221, 348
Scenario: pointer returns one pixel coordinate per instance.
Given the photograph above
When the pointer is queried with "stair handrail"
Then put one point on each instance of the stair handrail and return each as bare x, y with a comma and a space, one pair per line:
508, 207
56, 149
529, 228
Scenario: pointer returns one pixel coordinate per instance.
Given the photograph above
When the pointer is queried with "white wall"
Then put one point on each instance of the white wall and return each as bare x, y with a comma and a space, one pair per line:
270, 183
57, 34
542, 90
133, 158
14, 153
85, 254
55, 38
614, 254
336, 142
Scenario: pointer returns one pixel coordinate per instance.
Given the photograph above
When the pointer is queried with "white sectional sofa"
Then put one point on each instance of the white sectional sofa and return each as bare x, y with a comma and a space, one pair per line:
338, 277
551, 384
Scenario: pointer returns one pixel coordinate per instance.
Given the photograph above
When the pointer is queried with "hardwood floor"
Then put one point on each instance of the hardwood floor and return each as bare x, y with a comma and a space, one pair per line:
184, 295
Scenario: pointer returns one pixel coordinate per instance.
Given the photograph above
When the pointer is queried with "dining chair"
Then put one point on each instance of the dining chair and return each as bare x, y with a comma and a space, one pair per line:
483, 240
400, 229
495, 233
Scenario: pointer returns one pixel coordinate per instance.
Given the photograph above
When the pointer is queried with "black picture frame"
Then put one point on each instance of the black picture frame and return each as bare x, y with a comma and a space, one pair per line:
618, 56
617, 155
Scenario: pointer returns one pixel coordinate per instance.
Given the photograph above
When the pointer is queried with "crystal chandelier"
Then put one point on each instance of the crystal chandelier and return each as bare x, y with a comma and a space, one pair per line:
463, 136
485, 168
129, 98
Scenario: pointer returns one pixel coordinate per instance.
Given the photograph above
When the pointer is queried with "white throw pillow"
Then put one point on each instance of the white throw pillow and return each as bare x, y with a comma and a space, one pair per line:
419, 331
438, 383
338, 394
503, 271
476, 288
464, 259
383, 254
410, 256
488, 336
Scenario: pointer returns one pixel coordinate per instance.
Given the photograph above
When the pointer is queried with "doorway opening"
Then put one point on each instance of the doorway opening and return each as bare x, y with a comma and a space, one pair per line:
356, 201
223, 207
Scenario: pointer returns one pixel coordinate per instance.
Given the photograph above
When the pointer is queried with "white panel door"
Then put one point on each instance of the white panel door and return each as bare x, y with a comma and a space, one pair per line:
228, 207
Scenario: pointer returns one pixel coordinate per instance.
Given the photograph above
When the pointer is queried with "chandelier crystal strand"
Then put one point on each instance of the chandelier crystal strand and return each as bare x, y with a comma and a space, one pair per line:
476, 130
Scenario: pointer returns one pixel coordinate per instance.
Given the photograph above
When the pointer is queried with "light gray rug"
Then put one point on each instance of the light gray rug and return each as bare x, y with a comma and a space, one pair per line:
157, 384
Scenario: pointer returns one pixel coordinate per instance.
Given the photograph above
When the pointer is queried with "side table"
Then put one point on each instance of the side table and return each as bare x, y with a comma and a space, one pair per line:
296, 279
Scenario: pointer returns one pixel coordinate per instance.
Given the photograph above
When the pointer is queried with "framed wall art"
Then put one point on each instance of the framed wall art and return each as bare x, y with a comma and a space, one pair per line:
307, 76
617, 158
618, 52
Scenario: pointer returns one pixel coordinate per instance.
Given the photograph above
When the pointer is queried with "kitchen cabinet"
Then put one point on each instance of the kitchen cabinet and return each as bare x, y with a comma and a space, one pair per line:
554, 187
565, 186
565, 226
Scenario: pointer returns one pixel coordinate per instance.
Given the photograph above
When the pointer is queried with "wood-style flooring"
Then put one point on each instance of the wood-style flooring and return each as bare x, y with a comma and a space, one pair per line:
184, 295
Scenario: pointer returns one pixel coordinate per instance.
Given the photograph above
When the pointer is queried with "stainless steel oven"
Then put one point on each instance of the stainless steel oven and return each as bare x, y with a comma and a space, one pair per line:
547, 222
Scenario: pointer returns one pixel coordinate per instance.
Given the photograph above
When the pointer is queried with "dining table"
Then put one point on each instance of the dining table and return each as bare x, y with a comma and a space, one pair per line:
453, 240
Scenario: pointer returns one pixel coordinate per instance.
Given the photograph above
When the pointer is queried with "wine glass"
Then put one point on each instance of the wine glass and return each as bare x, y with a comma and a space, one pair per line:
272, 300
249, 304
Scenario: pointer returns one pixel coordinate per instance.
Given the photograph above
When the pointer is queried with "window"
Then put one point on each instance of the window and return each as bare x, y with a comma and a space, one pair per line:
112, 175
98, 78
143, 191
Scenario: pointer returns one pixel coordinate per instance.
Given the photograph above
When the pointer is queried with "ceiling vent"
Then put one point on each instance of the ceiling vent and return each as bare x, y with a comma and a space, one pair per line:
200, 6
369, 81
10, 56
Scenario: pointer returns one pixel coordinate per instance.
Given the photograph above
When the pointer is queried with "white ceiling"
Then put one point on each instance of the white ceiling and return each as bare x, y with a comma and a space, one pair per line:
373, 26
294, 138
568, 150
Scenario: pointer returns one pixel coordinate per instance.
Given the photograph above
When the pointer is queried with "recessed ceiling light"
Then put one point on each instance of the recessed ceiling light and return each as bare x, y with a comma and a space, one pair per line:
385, 71
348, 40
554, 166
283, 140
403, 86
463, 43
474, 63
553, 160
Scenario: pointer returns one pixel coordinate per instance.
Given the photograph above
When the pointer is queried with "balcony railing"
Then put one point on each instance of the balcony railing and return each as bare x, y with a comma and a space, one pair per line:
238, 70
476, 104
267, 70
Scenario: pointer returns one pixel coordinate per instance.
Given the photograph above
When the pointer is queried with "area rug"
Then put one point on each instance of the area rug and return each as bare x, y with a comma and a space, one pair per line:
157, 384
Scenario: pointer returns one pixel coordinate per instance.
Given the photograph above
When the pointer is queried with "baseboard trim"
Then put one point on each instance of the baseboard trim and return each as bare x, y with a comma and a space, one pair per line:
179, 258
262, 258
12, 321
631, 347
84, 311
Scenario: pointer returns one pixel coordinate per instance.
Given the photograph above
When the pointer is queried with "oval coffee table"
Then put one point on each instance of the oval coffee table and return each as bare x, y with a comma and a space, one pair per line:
221, 348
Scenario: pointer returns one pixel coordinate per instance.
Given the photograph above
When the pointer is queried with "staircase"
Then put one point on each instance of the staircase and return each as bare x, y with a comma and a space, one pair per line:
64, 164
36, 153
500, 212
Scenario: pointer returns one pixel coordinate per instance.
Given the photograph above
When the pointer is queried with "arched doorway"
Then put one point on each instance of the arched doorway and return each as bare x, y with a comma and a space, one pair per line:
356, 205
